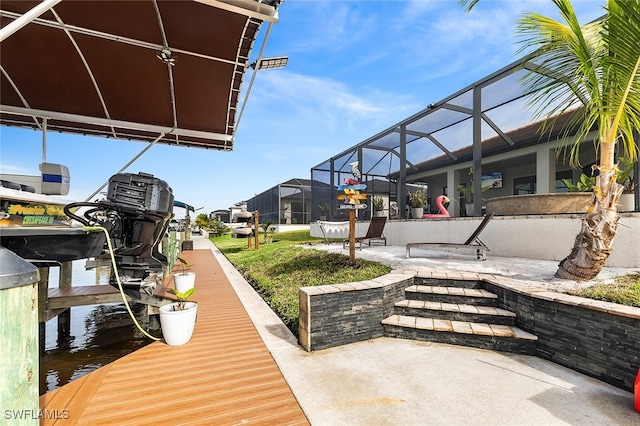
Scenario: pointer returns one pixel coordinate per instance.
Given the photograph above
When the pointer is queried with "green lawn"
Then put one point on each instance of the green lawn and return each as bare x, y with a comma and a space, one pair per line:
278, 269
624, 291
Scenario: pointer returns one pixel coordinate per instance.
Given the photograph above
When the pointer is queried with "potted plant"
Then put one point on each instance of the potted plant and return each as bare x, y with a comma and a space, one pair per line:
624, 177
585, 184
178, 319
266, 227
378, 206
418, 199
185, 279
323, 211
467, 193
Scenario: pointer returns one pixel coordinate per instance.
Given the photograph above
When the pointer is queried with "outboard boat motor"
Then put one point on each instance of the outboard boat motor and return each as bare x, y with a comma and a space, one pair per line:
136, 213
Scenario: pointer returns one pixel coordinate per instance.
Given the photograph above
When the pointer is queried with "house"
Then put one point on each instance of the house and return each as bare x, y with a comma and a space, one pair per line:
286, 203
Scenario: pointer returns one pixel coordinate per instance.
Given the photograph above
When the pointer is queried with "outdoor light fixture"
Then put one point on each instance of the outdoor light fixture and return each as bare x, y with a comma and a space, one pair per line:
261, 64
270, 63
165, 56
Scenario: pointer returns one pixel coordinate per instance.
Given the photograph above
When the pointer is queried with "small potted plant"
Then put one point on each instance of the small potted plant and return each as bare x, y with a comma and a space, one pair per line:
378, 206
418, 199
178, 319
467, 193
266, 227
585, 184
323, 211
185, 279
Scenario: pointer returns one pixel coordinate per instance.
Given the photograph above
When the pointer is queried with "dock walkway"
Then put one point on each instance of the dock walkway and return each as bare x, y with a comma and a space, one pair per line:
224, 375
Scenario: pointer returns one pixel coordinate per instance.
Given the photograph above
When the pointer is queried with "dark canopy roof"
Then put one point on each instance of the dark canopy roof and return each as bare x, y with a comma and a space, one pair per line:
97, 68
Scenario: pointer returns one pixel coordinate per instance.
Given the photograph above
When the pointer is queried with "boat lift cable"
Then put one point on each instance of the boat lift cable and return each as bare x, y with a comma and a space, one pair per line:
115, 269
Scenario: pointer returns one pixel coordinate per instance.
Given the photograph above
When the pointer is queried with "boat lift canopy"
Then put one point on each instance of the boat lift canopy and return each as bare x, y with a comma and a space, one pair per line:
162, 71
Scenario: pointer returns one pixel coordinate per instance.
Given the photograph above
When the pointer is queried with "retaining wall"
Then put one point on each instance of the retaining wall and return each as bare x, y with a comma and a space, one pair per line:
599, 339
544, 237
334, 315
595, 338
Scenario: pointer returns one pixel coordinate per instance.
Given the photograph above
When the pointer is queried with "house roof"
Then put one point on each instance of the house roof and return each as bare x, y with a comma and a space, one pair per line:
297, 182
521, 137
146, 70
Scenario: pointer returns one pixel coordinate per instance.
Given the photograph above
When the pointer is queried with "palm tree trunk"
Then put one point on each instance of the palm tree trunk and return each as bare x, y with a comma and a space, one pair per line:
592, 246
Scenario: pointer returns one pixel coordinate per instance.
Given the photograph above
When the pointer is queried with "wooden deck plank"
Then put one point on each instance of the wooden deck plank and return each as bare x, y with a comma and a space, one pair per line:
224, 375
84, 394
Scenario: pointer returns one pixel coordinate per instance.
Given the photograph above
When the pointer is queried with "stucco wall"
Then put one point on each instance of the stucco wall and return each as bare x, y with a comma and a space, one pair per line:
531, 237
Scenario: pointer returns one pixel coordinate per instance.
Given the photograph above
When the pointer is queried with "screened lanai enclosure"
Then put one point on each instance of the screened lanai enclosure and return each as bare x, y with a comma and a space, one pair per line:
483, 138
286, 203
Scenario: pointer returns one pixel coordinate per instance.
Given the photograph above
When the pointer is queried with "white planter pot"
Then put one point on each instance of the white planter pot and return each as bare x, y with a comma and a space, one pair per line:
416, 212
469, 209
177, 326
184, 281
627, 203
378, 213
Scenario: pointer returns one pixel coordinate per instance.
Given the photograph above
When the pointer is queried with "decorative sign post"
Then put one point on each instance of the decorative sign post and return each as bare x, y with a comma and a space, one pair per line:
255, 233
351, 197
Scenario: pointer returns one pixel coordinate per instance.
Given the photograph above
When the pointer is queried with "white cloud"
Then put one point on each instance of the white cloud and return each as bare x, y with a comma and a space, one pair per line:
330, 102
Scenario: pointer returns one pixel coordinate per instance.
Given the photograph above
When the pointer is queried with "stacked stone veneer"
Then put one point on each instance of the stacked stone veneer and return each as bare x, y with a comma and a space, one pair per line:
333, 315
596, 338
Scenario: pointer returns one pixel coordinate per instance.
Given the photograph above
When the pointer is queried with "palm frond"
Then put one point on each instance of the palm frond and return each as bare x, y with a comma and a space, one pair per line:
594, 65
563, 70
468, 3
622, 37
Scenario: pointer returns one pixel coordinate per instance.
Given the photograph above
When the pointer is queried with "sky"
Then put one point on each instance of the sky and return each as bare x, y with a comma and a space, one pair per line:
355, 68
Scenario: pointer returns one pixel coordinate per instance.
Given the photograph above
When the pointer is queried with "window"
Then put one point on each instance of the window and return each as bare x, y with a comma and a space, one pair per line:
566, 174
524, 185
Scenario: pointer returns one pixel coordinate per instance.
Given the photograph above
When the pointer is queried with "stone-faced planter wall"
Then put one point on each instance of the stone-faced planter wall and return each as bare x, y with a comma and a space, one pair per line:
557, 203
599, 339
334, 315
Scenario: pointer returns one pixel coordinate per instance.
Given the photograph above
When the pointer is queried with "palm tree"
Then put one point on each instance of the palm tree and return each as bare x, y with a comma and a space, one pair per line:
595, 66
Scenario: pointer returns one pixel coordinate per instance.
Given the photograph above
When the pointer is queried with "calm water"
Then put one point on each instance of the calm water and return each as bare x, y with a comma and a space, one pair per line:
99, 334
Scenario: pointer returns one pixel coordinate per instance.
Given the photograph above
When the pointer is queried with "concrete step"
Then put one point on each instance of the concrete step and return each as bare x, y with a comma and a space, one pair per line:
457, 295
449, 282
455, 312
479, 335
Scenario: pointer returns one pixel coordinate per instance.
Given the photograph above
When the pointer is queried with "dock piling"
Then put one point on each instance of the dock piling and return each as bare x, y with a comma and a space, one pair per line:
19, 338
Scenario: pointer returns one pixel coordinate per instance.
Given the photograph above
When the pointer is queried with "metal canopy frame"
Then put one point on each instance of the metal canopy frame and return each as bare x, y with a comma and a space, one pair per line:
467, 106
161, 71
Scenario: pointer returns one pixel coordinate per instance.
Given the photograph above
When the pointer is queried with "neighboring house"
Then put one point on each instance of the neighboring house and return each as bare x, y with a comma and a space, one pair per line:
286, 203
235, 209
221, 215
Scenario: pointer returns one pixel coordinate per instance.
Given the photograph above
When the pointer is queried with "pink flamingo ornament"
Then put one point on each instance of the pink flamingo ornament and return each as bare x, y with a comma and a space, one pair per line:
442, 199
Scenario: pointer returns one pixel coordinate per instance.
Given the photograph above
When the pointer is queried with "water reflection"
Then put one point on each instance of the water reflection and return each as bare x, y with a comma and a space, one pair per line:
98, 334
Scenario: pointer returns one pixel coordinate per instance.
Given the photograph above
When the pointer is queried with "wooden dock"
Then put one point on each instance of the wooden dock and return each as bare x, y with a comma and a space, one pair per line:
225, 375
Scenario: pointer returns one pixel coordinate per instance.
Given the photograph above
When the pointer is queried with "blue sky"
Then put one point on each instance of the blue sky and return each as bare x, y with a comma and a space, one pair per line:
355, 68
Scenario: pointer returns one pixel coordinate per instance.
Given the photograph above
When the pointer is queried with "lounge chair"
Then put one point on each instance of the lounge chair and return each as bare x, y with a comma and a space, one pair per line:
473, 242
374, 233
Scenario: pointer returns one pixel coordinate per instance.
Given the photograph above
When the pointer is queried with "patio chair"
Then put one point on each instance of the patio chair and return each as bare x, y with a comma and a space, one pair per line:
473, 242
374, 234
